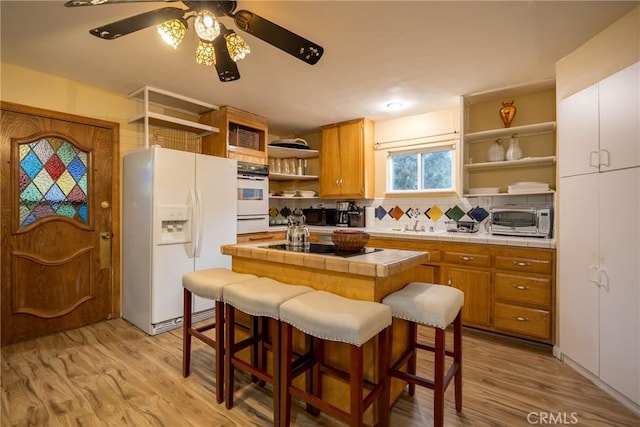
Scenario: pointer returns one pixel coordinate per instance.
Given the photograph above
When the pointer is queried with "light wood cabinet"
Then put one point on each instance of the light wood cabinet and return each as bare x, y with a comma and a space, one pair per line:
346, 160
523, 292
476, 285
242, 136
267, 237
508, 290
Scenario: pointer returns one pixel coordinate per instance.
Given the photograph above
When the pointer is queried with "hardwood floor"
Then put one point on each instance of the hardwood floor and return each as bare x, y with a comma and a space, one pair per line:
112, 374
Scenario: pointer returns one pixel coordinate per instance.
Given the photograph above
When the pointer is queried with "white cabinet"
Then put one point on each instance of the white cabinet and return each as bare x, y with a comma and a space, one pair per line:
599, 125
599, 231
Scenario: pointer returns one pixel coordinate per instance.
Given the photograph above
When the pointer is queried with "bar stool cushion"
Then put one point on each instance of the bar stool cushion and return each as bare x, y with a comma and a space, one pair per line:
426, 303
261, 296
209, 283
332, 317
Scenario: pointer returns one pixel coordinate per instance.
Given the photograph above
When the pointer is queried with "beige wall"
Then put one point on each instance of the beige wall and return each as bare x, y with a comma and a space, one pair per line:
421, 128
613, 49
35, 89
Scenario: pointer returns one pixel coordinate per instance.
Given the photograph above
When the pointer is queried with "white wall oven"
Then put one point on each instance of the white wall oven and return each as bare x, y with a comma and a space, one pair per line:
253, 198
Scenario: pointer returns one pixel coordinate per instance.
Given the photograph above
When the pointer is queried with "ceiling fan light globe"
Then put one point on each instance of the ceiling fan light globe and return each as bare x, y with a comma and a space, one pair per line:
205, 53
172, 32
206, 25
236, 46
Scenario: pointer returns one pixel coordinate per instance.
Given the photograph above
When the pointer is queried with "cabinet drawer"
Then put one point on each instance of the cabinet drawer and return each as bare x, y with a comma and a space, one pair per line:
260, 237
464, 258
524, 264
523, 321
520, 289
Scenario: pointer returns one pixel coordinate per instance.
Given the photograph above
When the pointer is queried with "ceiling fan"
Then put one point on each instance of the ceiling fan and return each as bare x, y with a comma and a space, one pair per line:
218, 45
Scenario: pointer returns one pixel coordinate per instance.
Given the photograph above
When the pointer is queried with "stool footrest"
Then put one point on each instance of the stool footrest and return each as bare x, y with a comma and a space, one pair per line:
252, 370
198, 333
433, 349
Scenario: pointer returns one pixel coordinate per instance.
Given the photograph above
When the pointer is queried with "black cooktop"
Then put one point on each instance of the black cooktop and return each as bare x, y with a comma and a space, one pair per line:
318, 248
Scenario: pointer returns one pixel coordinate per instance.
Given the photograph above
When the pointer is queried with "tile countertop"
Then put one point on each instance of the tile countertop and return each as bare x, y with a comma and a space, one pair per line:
384, 263
442, 236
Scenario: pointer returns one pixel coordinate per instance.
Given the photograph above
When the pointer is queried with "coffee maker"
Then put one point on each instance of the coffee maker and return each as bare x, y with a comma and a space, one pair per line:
356, 216
342, 213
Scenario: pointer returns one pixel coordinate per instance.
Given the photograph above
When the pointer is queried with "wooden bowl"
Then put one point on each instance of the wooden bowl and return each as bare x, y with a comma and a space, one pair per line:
349, 240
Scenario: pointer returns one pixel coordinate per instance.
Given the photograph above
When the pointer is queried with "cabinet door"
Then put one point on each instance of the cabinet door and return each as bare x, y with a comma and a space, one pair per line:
620, 277
352, 159
577, 267
619, 119
476, 286
578, 133
330, 162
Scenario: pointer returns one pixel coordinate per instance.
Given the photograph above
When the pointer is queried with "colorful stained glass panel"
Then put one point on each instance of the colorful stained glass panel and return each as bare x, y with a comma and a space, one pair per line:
52, 181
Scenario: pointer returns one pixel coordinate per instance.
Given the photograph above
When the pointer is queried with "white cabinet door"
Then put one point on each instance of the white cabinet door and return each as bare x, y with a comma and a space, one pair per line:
578, 133
577, 267
620, 277
619, 97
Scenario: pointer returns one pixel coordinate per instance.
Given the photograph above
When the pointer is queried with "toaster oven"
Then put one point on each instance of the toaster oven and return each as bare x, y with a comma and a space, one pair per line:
521, 221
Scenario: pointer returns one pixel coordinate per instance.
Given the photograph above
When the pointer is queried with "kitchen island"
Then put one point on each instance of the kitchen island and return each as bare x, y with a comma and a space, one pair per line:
370, 277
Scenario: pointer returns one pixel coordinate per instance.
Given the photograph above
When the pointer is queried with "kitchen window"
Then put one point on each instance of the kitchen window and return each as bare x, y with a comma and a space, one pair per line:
426, 169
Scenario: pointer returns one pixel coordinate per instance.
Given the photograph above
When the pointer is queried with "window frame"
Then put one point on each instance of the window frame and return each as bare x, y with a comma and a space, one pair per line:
451, 146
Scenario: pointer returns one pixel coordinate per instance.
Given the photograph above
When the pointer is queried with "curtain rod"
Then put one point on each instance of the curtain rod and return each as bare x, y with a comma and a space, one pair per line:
455, 132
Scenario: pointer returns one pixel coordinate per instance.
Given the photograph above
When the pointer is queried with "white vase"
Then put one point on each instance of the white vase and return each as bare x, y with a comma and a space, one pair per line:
514, 152
496, 151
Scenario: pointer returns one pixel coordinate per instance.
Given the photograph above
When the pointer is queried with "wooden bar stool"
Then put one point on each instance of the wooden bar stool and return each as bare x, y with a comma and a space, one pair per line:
207, 284
437, 306
329, 317
261, 299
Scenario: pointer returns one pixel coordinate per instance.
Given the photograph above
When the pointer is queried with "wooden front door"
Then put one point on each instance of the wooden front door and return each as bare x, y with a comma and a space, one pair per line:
59, 207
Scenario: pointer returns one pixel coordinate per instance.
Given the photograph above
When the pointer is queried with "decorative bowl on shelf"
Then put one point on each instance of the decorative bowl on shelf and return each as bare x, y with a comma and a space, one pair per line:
305, 193
289, 193
349, 240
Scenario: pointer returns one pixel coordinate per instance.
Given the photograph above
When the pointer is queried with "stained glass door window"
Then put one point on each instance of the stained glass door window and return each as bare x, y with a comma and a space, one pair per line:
53, 181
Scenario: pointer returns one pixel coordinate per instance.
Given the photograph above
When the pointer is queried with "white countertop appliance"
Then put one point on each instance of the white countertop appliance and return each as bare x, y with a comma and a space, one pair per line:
523, 221
178, 209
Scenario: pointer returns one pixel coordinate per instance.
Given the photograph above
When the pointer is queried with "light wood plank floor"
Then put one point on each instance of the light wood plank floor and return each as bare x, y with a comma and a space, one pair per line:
112, 374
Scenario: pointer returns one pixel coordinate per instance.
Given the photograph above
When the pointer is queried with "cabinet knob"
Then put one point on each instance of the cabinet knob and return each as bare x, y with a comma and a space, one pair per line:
520, 318
466, 258
520, 287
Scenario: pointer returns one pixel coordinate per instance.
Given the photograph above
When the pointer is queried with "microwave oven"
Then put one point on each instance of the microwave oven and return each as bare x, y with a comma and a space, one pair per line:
320, 216
528, 221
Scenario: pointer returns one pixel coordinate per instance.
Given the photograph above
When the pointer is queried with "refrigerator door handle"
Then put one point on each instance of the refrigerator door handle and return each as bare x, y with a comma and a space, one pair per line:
200, 222
194, 222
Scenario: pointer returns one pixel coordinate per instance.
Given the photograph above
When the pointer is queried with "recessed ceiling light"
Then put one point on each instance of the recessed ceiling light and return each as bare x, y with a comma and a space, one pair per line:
394, 106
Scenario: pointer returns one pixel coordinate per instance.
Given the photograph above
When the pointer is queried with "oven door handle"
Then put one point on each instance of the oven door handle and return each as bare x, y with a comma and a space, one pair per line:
252, 218
252, 178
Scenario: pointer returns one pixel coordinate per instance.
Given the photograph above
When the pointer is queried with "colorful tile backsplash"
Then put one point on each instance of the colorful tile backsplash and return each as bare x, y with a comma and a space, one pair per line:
428, 212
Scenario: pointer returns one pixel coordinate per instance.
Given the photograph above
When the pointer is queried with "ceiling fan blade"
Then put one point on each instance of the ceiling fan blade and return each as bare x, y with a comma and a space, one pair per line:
74, 3
226, 67
278, 36
137, 22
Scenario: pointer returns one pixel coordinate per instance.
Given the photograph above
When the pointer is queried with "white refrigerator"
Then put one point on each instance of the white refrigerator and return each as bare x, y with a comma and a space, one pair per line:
178, 209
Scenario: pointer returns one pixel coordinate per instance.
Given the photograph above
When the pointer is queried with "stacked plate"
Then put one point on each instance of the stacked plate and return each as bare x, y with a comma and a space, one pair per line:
527, 187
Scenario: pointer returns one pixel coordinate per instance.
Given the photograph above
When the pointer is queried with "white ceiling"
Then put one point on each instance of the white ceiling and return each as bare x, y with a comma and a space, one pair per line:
422, 53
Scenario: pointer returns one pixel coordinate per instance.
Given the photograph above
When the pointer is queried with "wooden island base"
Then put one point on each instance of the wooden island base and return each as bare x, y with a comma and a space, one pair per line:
368, 277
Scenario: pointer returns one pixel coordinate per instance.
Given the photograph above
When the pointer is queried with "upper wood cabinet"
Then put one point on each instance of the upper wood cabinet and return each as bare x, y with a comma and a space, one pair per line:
242, 136
346, 160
